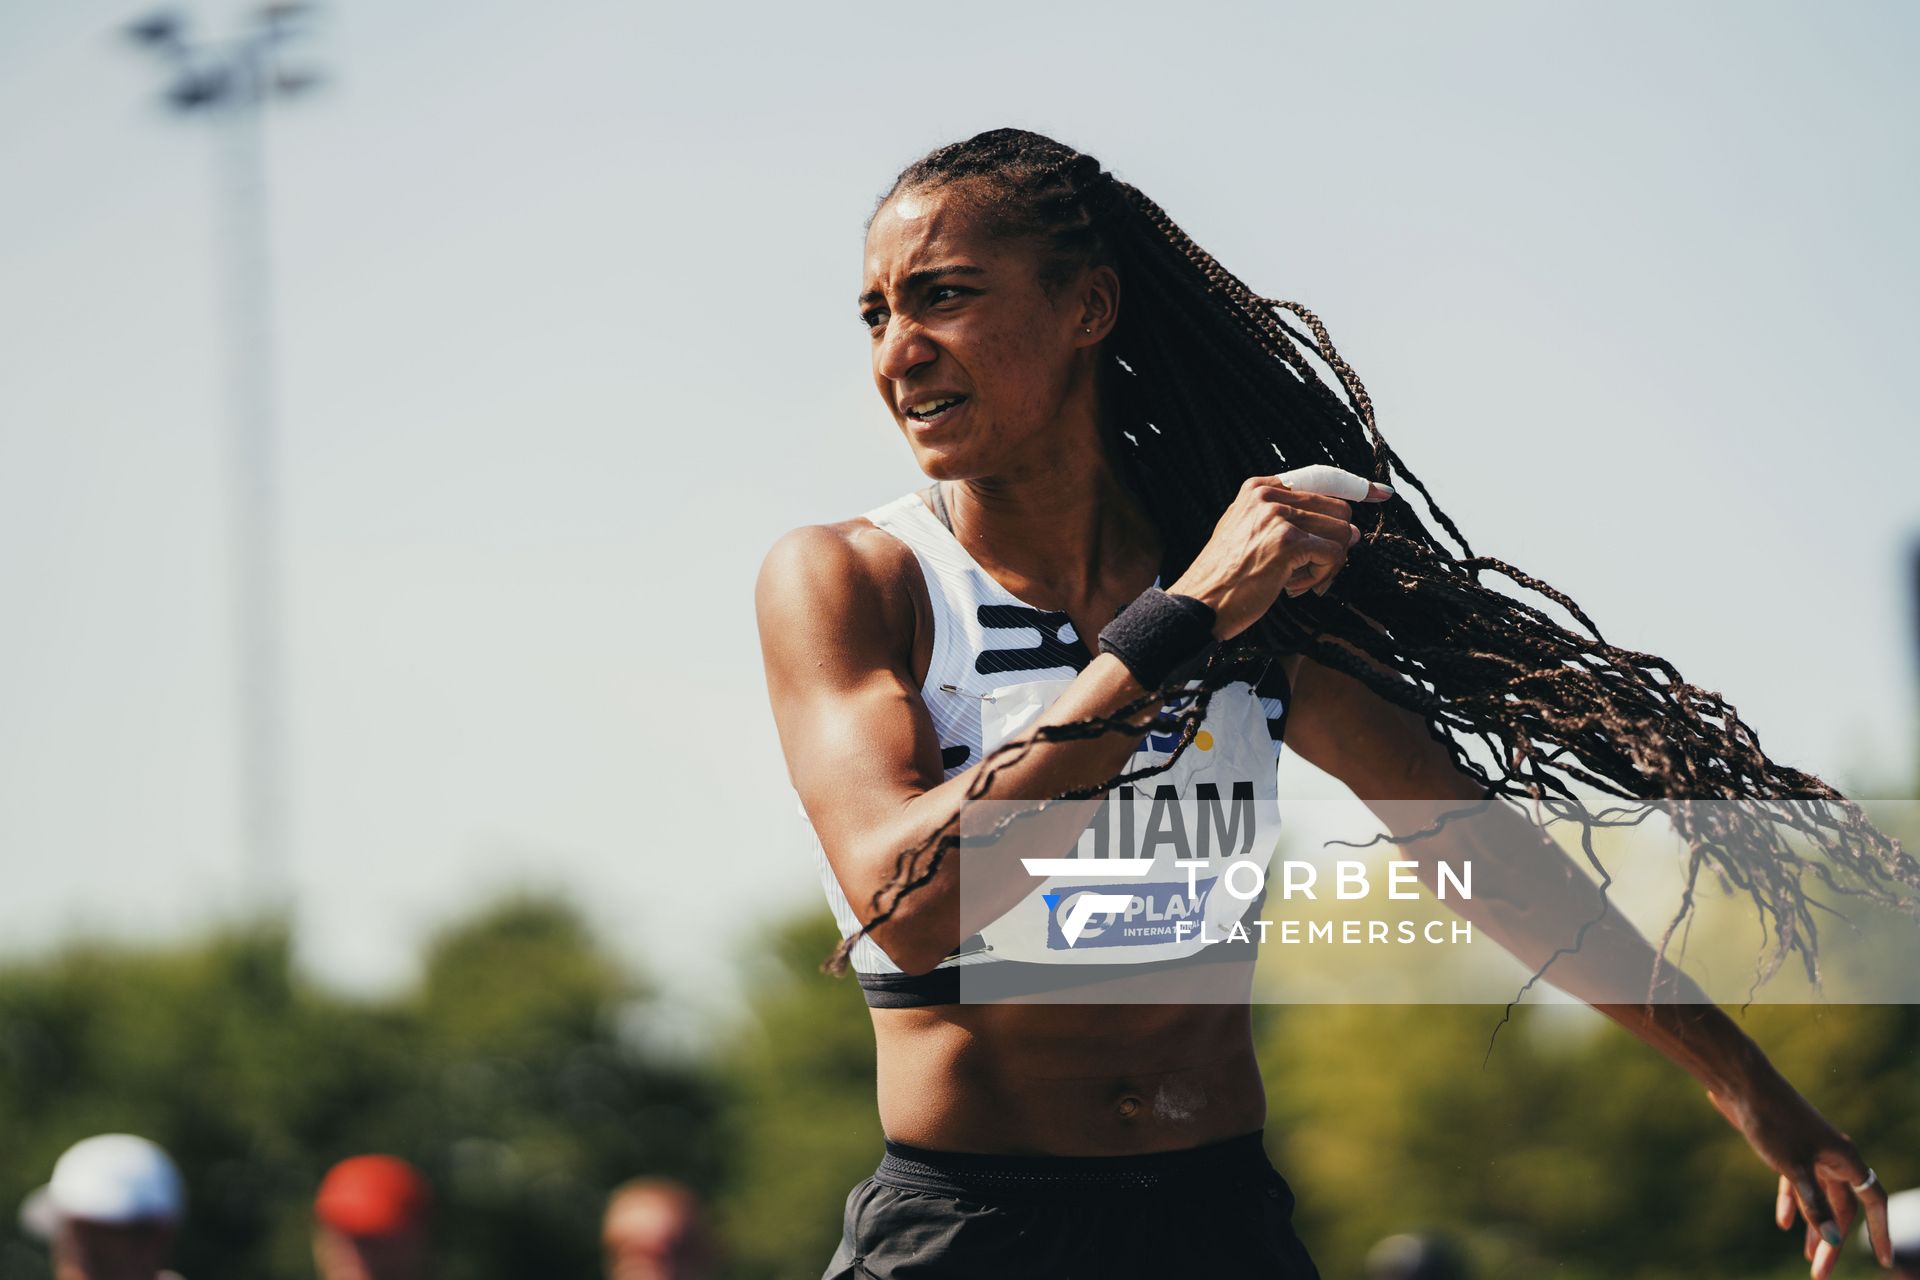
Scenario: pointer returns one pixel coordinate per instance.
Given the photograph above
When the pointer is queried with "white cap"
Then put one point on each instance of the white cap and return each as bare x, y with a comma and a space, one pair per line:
113, 1178
1903, 1225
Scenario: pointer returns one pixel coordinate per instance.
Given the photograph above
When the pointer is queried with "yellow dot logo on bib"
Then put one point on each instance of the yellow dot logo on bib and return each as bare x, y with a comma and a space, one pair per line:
1203, 740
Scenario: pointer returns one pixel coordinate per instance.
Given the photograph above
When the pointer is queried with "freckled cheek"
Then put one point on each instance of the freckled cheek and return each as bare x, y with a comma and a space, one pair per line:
1011, 362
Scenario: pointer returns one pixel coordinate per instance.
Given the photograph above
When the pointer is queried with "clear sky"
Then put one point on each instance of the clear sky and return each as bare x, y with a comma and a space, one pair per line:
567, 338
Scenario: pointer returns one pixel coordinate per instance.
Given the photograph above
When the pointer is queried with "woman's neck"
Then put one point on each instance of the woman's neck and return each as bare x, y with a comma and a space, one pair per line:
1068, 527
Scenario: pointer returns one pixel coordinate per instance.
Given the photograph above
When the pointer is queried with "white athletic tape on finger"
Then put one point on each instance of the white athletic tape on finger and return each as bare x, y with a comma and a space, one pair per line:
1330, 481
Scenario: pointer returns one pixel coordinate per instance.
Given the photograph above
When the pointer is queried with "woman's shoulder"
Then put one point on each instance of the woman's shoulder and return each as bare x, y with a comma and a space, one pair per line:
845, 576
852, 554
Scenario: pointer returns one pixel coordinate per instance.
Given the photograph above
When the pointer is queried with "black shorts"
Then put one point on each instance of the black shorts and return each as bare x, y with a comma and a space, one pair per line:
1220, 1210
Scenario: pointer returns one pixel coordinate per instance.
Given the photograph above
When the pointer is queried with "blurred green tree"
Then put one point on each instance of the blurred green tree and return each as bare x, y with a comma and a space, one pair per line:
505, 1077
1574, 1151
802, 1121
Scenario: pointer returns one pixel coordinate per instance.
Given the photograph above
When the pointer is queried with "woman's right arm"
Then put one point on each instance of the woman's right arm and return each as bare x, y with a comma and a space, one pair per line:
837, 624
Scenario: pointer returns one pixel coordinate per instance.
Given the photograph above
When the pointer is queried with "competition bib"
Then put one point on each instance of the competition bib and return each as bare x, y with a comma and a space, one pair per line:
1167, 865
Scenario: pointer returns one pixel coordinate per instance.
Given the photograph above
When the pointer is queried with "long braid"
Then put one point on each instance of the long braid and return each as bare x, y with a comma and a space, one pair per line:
1205, 383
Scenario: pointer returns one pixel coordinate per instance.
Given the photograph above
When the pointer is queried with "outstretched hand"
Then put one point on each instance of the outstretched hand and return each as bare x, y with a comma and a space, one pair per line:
1823, 1178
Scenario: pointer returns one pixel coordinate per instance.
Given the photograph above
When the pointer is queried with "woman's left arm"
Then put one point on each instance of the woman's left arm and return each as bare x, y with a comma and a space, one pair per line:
1531, 898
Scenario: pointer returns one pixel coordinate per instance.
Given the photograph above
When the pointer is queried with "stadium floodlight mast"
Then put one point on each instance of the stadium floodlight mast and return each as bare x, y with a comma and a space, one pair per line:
230, 82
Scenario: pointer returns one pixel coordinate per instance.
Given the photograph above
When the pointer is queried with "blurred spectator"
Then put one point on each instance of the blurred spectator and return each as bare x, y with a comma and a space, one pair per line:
370, 1220
110, 1210
1903, 1225
654, 1230
1415, 1257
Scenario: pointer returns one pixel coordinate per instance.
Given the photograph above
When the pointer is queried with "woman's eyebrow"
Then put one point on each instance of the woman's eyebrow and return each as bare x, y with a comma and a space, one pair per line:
928, 276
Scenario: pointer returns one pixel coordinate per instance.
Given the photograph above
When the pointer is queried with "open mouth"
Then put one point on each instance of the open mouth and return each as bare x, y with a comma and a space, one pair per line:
927, 412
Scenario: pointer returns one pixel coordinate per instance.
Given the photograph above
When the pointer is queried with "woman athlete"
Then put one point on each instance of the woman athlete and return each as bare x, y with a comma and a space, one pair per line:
1103, 411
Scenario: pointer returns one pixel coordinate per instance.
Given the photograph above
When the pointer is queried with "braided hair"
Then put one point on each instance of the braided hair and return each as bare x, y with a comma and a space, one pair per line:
1204, 383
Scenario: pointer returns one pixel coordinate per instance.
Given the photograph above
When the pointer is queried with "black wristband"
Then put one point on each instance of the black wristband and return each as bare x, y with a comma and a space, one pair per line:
1157, 634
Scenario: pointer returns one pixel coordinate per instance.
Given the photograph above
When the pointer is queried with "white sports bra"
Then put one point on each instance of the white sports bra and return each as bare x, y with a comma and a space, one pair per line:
997, 664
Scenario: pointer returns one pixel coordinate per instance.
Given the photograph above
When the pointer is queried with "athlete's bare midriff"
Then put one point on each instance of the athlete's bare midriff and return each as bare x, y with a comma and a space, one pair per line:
1067, 1079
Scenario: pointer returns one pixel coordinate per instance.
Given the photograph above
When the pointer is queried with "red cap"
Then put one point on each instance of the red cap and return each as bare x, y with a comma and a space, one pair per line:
372, 1196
